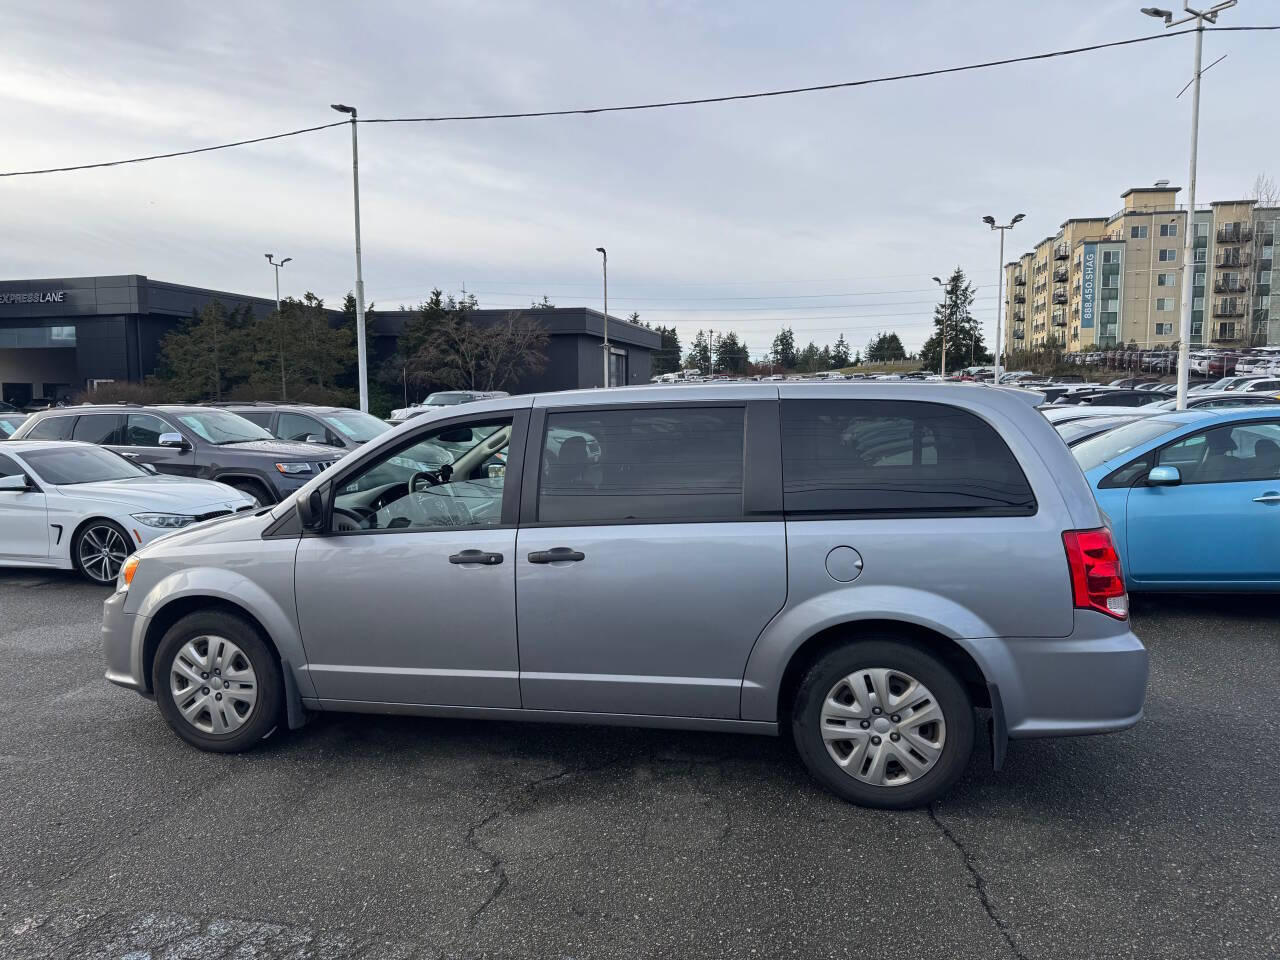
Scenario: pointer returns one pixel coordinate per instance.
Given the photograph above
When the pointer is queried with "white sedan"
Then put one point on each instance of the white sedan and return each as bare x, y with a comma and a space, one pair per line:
76, 506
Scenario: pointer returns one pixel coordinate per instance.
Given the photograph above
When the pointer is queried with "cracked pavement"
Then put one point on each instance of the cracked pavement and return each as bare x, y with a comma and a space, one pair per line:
394, 837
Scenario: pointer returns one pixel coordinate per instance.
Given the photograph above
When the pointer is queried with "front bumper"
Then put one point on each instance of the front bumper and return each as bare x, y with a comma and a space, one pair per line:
1094, 681
122, 635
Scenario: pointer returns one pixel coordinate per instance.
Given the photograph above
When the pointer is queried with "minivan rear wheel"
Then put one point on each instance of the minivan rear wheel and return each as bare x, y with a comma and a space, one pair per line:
882, 723
216, 682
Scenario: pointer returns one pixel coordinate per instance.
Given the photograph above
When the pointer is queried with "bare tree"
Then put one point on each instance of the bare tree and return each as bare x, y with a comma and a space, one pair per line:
1264, 192
469, 356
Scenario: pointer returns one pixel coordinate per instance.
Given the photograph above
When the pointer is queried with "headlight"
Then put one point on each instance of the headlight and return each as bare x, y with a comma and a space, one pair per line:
293, 468
167, 521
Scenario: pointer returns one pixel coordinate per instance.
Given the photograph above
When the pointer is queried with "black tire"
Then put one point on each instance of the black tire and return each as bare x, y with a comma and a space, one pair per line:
259, 720
253, 488
94, 532
889, 652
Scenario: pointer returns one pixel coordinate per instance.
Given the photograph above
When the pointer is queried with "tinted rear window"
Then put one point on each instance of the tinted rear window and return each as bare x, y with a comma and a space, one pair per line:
51, 428
667, 464
876, 458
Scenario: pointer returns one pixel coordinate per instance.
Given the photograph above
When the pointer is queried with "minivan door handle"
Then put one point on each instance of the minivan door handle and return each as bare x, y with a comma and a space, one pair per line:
477, 556
1268, 497
556, 555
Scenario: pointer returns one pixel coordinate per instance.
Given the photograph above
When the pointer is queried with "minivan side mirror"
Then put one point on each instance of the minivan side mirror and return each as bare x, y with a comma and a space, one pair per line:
173, 440
1164, 477
16, 483
311, 512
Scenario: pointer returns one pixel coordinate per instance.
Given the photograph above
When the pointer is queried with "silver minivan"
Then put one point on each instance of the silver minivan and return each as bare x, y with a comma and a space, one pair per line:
858, 566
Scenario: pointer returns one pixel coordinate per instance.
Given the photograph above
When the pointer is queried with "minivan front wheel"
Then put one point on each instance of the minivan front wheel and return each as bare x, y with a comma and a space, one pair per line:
216, 682
882, 723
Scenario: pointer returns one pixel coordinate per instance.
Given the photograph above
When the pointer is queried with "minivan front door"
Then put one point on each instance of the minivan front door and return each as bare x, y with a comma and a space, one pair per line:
642, 585
409, 597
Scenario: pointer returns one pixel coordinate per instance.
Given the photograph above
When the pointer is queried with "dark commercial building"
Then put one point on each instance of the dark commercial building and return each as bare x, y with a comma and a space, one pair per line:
60, 337
575, 347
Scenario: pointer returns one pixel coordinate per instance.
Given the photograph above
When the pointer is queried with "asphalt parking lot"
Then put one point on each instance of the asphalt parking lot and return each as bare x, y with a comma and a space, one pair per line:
381, 837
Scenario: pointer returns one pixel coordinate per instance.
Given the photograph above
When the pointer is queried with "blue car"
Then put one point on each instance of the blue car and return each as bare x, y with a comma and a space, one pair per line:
1193, 497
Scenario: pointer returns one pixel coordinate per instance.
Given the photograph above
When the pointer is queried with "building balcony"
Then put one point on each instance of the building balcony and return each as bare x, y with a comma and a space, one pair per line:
1060, 296
1019, 316
1230, 286
1060, 275
1019, 297
1059, 319
1232, 258
1061, 251
1230, 307
1019, 335
1019, 280
1234, 234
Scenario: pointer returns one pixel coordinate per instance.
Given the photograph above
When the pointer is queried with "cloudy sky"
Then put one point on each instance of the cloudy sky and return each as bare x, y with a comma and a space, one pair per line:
826, 211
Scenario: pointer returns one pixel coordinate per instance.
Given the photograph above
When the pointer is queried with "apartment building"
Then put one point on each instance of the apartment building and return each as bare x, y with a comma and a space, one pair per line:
1104, 281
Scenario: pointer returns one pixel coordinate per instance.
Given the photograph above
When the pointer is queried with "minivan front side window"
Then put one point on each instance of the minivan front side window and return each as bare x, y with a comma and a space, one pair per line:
452, 477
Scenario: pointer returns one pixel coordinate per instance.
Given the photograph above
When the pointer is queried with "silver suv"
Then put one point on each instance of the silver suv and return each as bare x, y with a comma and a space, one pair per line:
857, 566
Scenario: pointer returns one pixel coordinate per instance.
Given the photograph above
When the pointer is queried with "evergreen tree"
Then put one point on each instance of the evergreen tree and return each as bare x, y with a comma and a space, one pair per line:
885, 347
840, 354
824, 358
732, 355
206, 356
963, 335
783, 350
808, 360
700, 353
666, 359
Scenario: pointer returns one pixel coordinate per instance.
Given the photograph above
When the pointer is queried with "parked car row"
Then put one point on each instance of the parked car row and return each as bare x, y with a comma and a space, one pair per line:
1207, 362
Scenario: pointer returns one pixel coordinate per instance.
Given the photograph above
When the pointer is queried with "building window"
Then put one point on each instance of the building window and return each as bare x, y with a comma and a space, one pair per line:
1138, 232
1111, 281
1168, 254
1164, 304
1164, 329
1168, 229
1166, 279
1227, 330
1110, 256
1202, 229
1197, 303
1198, 279
1202, 255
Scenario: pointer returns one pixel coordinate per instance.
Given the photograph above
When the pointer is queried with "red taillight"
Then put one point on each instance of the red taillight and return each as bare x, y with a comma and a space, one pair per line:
1097, 580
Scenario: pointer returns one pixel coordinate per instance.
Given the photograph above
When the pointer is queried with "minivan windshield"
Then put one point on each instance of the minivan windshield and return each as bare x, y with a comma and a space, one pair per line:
220, 426
64, 465
355, 426
1118, 442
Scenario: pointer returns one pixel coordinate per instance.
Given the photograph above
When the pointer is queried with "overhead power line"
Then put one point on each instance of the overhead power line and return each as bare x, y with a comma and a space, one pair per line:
656, 105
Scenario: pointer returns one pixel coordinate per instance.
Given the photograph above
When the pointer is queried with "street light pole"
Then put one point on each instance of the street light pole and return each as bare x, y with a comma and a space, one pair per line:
1188, 246
990, 221
945, 295
604, 264
284, 393
362, 360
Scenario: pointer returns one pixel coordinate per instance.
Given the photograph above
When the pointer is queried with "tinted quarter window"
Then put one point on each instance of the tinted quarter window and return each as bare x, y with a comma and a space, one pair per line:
868, 458
97, 428
294, 426
52, 428
606, 466
9, 467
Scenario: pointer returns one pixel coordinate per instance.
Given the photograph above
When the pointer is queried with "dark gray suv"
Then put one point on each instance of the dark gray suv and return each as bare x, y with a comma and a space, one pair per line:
189, 441
311, 423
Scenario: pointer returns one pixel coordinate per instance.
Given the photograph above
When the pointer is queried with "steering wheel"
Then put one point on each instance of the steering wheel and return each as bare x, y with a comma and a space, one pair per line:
428, 478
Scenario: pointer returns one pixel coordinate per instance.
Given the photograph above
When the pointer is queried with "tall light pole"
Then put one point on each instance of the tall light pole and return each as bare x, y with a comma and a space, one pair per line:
945, 294
1188, 246
990, 221
284, 391
362, 359
604, 263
